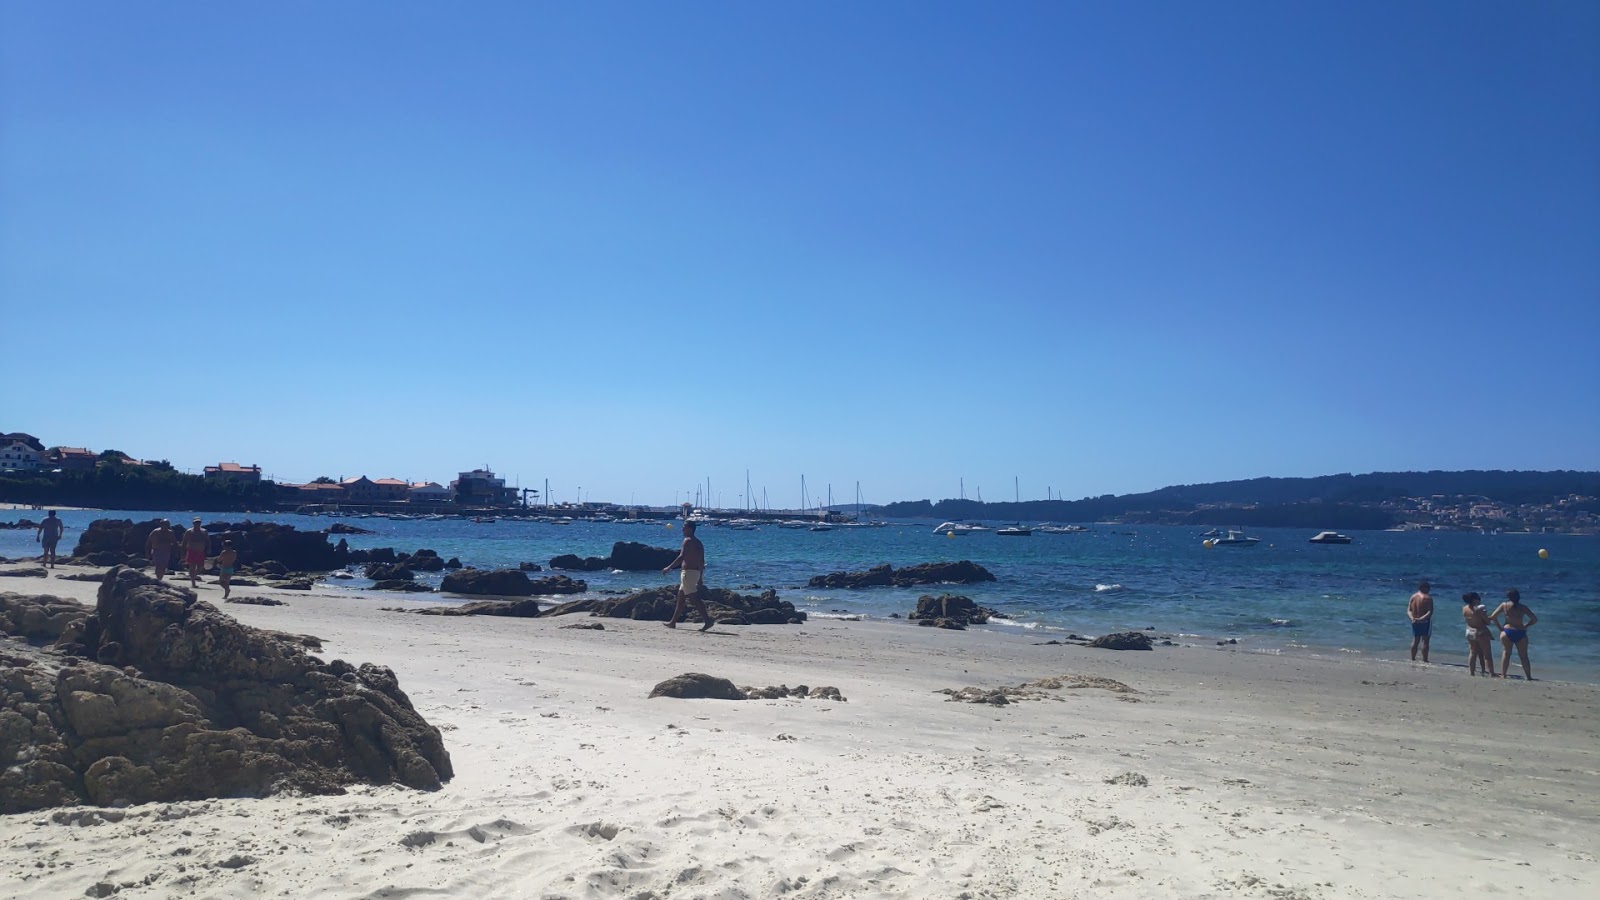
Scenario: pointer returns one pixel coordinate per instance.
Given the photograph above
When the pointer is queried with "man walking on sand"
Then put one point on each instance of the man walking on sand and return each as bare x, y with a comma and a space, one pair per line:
196, 544
49, 534
158, 546
1420, 612
692, 558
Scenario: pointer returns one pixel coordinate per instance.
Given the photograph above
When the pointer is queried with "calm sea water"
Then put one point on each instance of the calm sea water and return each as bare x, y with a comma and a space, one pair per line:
1284, 595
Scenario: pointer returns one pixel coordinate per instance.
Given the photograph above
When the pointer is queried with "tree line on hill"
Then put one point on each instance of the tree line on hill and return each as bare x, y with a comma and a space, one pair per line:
113, 484
1326, 501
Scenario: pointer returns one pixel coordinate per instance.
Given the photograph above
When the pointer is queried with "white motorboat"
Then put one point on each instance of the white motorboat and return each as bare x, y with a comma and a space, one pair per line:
1015, 531
1331, 537
1235, 538
958, 528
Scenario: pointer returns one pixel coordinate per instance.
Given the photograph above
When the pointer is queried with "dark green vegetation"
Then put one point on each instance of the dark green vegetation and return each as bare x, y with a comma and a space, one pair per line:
116, 484
1375, 500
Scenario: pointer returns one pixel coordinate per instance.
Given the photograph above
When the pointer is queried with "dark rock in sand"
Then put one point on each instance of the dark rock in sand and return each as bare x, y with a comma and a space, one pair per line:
943, 622
82, 576
522, 609
629, 556
298, 584
33, 572
588, 626
1126, 640
696, 686
655, 605
270, 567
951, 606
256, 601
400, 584
508, 583
219, 709
963, 572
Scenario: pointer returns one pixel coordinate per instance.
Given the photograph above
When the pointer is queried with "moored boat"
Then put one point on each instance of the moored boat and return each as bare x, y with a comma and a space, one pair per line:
1331, 537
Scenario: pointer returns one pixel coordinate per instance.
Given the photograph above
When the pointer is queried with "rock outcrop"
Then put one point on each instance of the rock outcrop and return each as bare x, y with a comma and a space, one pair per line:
955, 611
298, 551
1126, 640
507, 583
629, 556
963, 572
154, 696
697, 686
30, 572
523, 609
655, 605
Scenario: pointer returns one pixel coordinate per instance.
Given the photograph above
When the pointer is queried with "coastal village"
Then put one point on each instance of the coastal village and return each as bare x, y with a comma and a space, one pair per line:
480, 488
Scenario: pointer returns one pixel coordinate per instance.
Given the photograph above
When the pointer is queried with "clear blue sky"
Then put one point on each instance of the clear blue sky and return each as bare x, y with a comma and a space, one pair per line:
1100, 247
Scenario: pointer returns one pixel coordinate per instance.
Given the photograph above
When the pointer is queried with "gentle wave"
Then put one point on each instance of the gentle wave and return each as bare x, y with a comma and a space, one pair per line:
1102, 588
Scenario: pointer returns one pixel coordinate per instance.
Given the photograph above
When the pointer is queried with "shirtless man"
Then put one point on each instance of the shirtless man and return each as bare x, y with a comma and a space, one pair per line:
1479, 649
225, 563
158, 546
693, 560
49, 534
1514, 633
1420, 612
196, 543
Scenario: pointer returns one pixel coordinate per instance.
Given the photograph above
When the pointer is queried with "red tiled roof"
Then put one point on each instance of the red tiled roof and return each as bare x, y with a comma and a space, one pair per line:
391, 481
232, 467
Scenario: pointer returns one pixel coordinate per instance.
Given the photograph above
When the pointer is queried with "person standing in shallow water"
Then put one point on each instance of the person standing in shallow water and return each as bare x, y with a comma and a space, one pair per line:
692, 559
1420, 611
49, 534
1514, 633
158, 546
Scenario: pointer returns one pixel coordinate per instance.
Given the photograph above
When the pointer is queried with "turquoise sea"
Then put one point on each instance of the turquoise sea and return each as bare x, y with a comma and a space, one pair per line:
1282, 596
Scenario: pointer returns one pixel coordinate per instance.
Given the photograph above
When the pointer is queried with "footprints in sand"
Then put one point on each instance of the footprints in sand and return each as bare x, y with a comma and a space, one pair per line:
481, 834
596, 830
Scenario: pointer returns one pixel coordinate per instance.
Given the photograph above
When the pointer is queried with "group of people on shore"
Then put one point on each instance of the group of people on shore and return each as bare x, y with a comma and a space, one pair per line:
1481, 625
196, 546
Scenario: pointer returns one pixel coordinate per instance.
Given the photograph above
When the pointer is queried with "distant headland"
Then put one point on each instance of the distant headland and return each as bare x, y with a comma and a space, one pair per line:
1567, 501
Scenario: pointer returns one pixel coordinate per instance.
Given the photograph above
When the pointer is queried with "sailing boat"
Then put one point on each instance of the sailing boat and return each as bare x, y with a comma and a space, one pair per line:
1015, 530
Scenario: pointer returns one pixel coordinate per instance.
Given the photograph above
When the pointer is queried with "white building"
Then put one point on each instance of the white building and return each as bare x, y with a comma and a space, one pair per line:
19, 452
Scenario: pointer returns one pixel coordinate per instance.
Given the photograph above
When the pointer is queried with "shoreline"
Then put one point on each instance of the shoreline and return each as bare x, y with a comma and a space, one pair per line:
1172, 773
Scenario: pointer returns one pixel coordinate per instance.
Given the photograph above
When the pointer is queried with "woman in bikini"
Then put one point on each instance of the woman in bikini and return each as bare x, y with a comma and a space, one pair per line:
1514, 633
1479, 648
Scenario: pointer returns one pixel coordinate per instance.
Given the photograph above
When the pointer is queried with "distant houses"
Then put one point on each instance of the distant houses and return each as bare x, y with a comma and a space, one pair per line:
481, 487
233, 472
72, 459
20, 452
428, 492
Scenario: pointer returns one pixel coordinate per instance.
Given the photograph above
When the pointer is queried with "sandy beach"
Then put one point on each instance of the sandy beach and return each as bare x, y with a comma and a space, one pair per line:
1183, 772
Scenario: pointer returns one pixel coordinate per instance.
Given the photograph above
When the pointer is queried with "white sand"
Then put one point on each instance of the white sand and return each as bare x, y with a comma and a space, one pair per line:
1281, 777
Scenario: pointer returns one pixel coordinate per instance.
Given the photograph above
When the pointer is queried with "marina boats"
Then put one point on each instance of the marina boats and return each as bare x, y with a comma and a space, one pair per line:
821, 527
1015, 531
1235, 538
1061, 529
1331, 537
483, 520
958, 528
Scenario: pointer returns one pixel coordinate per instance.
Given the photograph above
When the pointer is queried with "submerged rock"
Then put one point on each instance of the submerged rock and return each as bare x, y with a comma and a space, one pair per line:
630, 556
218, 709
963, 572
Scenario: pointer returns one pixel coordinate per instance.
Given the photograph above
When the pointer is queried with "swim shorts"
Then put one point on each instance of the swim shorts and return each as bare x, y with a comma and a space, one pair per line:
1422, 629
689, 581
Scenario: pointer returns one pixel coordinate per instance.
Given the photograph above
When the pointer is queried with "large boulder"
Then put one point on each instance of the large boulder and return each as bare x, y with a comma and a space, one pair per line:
300, 551
1126, 640
630, 556
507, 583
958, 609
963, 572
154, 696
522, 609
697, 686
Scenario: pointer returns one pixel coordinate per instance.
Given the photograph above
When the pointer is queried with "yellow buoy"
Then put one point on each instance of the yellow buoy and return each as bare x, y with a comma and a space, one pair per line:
669, 524
1544, 554
949, 534
1208, 543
